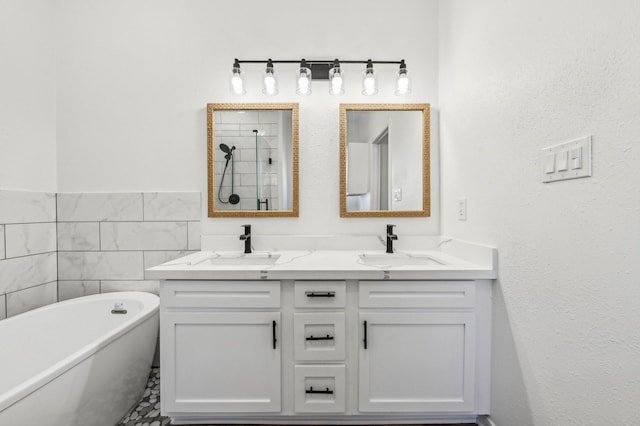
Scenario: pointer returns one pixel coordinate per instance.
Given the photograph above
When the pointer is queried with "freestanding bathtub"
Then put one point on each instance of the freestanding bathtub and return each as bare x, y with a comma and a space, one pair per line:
76, 362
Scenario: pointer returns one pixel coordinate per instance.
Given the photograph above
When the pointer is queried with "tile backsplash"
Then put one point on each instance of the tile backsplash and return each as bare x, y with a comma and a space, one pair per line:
60, 246
28, 265
106, 240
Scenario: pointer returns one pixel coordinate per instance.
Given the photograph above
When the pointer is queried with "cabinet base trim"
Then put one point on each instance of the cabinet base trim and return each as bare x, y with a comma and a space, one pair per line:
324, 420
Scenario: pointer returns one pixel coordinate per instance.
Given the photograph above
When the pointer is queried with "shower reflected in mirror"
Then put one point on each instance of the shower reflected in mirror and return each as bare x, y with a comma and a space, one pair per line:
233, 197
253, 160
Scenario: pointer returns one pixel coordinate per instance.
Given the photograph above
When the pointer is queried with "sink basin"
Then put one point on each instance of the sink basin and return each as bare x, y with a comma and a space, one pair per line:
240, 259
397, 259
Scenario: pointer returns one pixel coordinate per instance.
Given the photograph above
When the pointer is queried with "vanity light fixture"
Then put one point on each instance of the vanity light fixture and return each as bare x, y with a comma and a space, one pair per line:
324, 69
270, 83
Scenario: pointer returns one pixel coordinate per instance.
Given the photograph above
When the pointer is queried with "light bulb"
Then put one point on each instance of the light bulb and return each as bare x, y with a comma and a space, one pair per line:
369, 85
303, 85
270, 85
336, 85
236, 82
336, 80
304, 79
237, 85
269, 82
403, 85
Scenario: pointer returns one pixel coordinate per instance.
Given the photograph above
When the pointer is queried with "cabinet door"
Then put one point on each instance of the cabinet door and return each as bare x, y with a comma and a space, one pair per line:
221, 362
417, 362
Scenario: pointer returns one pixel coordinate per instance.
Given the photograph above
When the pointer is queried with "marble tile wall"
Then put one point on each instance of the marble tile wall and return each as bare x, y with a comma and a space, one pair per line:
28, 266
60, 246
107, 240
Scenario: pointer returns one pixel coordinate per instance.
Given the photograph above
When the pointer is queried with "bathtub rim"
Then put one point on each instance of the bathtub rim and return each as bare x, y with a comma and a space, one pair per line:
150, 308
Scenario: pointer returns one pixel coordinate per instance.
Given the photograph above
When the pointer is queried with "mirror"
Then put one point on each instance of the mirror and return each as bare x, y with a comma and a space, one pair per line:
384, 160
252, 160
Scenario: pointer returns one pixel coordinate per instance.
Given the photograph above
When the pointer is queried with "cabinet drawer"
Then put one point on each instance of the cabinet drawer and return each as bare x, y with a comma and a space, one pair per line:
319, 336
416, 294
320, 389
320, 294
220, 294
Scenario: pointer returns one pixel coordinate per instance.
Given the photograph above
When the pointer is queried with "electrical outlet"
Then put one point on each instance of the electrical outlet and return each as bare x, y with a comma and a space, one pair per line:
462, 209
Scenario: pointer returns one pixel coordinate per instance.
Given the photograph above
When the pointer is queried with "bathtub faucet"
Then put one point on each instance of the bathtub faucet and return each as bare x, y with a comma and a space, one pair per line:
246, 237
118, 308
390, 237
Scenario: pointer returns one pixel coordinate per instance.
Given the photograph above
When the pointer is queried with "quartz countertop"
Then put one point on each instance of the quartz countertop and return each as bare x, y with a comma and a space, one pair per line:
454, 260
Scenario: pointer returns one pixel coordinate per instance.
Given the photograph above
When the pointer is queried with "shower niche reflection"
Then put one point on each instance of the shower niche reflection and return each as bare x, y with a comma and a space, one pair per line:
253, 160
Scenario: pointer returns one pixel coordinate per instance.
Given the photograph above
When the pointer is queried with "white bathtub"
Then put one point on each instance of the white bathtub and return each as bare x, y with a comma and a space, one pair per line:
76, 363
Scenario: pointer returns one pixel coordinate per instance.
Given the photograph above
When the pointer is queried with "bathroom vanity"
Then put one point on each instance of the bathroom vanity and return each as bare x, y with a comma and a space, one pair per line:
327, 336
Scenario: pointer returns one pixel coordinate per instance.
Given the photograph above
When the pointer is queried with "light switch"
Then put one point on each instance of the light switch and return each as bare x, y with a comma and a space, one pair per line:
549, 163
567, 160
562, 159
576, 158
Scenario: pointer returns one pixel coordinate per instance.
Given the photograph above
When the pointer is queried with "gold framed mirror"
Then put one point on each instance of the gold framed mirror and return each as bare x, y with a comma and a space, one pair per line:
384, 160
252, 157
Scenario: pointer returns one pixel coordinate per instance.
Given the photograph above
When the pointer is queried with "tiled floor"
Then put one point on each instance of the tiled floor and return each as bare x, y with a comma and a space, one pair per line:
147, 413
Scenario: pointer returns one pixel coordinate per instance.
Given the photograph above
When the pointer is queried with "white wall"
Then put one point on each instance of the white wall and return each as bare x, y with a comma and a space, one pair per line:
27, 95
134, 79
516, 77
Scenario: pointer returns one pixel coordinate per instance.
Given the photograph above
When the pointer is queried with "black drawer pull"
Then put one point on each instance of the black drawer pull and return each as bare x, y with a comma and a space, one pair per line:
321, 294
365, 334
319, 338
327, 391
274, 335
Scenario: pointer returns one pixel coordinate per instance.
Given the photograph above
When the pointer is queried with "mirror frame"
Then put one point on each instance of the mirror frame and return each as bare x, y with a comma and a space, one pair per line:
211, 152
426, 169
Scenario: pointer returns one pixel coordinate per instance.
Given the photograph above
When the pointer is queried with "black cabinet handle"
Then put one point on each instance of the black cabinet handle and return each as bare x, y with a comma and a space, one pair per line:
319, 338
365, 335
274, 335
321, 294
327, 391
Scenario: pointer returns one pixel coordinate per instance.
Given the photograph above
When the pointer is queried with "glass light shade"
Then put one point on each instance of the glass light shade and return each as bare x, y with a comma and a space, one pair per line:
270, 82
403, 84
336, 81
304, 81
369, 82
236, 82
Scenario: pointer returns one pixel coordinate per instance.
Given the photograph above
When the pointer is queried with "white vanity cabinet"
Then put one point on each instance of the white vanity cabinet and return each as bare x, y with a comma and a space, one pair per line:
220, 349
418, 346
312, 351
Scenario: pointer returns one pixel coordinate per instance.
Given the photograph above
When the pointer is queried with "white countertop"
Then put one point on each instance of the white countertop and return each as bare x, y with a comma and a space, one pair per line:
453, 260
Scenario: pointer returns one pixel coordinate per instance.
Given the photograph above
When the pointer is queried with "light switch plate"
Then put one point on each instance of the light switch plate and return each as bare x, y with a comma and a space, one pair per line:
572, 160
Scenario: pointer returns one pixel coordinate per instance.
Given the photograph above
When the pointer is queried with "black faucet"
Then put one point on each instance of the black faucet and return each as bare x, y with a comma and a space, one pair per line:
246, 237
390, 237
